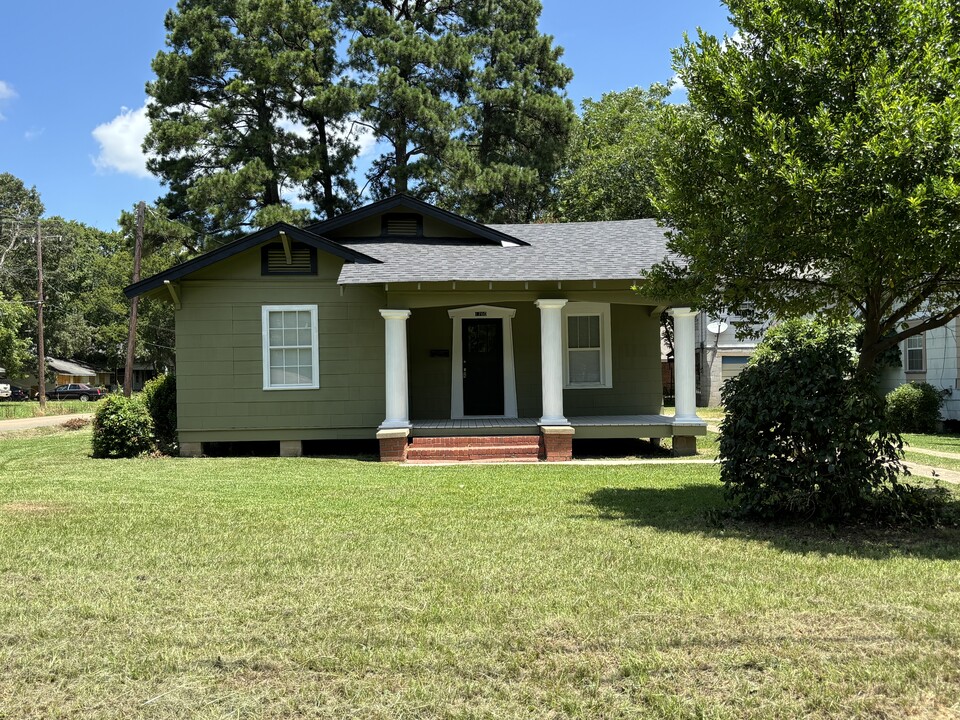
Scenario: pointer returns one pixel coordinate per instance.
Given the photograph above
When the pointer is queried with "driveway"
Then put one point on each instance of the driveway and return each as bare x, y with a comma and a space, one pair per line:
7, 426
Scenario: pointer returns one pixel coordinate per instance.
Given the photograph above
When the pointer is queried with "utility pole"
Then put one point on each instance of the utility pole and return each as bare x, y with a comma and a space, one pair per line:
41, 352
132, 337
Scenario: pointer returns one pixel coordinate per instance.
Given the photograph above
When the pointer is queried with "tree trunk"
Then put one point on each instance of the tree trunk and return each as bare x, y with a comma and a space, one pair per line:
326, 178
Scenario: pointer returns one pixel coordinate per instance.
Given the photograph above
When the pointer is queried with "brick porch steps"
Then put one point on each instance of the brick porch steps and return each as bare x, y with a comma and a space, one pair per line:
514, 448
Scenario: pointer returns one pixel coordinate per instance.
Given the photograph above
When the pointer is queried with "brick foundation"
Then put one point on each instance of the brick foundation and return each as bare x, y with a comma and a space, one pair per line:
556, 443
393, 445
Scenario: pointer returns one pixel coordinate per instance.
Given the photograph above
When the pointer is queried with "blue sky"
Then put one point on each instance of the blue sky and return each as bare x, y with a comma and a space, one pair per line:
72, 79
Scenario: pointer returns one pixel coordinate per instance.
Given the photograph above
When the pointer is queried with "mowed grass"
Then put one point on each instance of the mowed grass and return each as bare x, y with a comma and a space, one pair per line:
31, 408
943, 443
269, 588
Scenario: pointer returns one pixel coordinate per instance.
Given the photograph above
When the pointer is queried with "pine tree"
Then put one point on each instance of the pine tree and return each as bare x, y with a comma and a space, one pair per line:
246, 107
516, 121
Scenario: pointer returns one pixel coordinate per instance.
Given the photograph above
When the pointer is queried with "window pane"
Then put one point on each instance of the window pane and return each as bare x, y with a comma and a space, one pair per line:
303, 338
276, 376
276, 336
305, 357
914, 359
573, 338
303, 319
276, 320
306, 375
915, 342
276, 358
583, 331
290, 338
593, 324
585, 366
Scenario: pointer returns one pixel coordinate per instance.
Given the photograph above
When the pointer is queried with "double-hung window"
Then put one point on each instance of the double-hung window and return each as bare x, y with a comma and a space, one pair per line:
915, 359
587, 360
290, 359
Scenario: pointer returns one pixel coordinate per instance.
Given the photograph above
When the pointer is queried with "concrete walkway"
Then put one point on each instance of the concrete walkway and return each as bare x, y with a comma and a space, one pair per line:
7, 426
934, 453
950, 476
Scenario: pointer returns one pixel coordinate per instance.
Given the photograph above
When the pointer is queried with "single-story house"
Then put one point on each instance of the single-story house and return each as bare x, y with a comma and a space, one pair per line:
68, 371
439, 336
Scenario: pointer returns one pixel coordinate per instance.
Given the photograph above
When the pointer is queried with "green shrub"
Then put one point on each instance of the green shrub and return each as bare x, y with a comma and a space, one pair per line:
122, 428
914, 407
160, 396
803, 438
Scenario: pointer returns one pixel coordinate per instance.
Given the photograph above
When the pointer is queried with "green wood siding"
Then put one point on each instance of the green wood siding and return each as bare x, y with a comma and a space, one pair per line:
220, 391
637, 388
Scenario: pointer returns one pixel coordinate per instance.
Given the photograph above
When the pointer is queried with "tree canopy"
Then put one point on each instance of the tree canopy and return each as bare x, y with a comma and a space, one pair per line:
257, 107
610, 168
817, 167
85, 270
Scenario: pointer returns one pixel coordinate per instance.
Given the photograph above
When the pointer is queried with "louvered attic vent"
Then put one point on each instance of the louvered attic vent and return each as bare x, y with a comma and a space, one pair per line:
402, 225
273, 260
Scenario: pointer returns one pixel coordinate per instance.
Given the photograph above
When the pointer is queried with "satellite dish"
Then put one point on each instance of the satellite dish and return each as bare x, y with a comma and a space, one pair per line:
717, 326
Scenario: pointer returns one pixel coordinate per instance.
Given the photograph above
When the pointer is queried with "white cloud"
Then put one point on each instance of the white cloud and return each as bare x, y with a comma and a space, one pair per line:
33, 133
120, 143
676, 84
6, 91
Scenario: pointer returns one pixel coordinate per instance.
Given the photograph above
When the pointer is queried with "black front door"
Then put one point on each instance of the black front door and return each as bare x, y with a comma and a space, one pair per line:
482, 367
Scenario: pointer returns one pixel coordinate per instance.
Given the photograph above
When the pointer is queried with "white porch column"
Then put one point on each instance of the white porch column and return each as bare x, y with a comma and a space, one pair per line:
551, 361
398, 414
685, 364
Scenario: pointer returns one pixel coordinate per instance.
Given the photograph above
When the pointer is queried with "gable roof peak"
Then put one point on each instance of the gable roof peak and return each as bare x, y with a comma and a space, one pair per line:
489, 234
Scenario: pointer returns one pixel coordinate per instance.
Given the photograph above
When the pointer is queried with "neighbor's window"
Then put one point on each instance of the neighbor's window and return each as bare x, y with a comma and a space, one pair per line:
587, 357
915, 360
290, 360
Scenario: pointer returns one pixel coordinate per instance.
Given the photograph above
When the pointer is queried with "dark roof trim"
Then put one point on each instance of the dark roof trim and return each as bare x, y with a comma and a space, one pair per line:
246, 243
407, 201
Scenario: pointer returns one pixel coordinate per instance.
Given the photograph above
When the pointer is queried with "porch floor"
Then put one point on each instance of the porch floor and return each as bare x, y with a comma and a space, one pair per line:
586, 426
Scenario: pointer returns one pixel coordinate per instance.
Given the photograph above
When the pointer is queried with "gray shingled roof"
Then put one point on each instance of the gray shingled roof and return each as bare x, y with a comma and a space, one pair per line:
614, 250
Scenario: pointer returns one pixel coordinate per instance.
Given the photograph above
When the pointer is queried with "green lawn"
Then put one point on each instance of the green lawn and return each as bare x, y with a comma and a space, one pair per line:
31, 408
945, 443
267, 588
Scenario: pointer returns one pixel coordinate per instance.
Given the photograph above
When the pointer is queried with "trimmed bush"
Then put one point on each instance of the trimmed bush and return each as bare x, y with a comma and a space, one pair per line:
803, 437
122, 428
160, 396
914, 407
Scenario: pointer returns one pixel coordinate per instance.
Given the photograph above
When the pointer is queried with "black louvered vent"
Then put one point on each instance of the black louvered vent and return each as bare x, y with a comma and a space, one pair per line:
303, 260
402, 225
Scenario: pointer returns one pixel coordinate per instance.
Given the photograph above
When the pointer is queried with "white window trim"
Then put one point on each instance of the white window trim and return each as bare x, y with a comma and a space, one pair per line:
577, 309
265, 343
923, 354
505, 315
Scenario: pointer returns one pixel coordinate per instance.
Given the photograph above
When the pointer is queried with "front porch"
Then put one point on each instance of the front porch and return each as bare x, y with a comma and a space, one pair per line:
528, 395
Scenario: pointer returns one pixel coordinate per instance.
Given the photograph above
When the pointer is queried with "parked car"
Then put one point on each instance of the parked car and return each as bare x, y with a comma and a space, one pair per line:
5, 391
74, 391
18, 394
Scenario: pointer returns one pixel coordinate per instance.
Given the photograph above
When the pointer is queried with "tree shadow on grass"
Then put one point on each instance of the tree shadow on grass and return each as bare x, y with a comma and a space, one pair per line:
699, 509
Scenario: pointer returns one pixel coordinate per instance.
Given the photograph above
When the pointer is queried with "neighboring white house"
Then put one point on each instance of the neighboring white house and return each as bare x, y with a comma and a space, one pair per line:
933, 357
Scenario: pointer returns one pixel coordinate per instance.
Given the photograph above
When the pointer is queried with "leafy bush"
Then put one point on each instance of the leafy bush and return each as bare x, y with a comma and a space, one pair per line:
160, 396
803, 437
914, 407
122, 428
